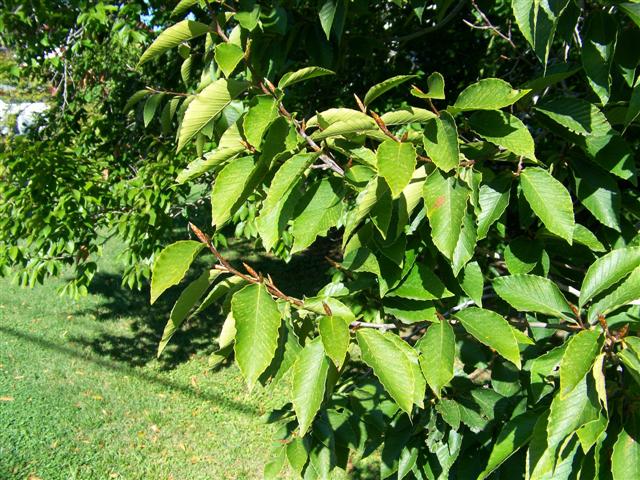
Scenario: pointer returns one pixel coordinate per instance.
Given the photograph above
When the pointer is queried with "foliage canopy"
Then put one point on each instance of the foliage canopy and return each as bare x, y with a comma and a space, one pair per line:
473, 165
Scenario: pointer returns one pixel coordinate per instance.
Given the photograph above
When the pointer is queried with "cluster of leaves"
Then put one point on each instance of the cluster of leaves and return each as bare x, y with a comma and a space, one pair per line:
480, 320
481, 316
90, 170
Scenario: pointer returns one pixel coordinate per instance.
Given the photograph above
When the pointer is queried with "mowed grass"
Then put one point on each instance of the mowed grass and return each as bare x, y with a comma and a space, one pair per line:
83, 396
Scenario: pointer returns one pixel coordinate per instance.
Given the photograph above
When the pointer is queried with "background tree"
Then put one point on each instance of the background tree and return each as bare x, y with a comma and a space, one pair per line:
90, 170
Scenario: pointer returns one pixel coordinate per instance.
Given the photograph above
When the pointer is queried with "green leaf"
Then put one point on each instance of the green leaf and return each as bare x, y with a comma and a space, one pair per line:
187, 299
627, 292
514, 435
591, 432
407, 115
438, 348
396, 163
450, 412
466, 244
435, 82
395, 364
612, 153
218, 291
504, 130
599, 193
182, 7
248, 19
355, 125
493, 200
522, 255
598, 45
576, 115
566, 416
334, 331
491, 329
228, 56
302, 75
172, 264
446, 203
209, 162
150, 107
488, 94
608, 270
542, 368
135, 99
297, 454
172, 37
206, 106
410, 311
227, 332
472, 282
630, 358
320, 211
538, 21
375, 190
578, 359
584, 236
549, 200
530, 293
625, 459
259, 117
277, 208
257, 323
634, 104
383, 87
632, 10
335, 115
440, 138
229, 189
421, 284
309, 382
327, 13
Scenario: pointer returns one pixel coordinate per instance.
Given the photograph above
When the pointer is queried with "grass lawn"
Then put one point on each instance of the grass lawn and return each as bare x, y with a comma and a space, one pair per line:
82, 395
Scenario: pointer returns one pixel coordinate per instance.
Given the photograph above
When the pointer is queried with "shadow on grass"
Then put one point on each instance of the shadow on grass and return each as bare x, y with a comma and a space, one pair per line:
129, 371
137, 345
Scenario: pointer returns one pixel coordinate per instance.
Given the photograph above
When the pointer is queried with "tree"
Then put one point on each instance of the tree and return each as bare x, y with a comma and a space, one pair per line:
91, 170
477, 162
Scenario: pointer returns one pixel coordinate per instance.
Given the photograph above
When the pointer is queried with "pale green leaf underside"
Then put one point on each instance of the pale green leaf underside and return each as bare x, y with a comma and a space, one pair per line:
301, 75
172, 37
206, 106
382, 87
210, 160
